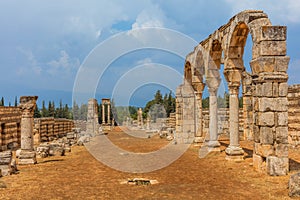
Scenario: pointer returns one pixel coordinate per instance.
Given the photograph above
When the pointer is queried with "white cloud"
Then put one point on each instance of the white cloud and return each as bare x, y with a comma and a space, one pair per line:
32, 63
64, 64
279, 11
149, 19
144, 61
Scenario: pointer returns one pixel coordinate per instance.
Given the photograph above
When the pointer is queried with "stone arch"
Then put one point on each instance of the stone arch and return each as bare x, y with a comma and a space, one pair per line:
268, 81
188, 72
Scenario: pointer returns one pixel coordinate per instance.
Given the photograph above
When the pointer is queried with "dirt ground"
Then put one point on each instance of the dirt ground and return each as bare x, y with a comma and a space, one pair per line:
79, 176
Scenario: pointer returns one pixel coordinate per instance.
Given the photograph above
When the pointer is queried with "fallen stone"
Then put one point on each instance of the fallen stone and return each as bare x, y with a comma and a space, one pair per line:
277, 166
294, 185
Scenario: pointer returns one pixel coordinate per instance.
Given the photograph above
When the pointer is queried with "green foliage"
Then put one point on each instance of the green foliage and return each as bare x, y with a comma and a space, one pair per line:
16, 101
2, 101
44, 111
240, 102
37, 113
223, 102
205, 102
168, 102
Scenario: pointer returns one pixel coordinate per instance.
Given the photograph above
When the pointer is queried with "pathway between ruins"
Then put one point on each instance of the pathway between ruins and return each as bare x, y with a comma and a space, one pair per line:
79, 176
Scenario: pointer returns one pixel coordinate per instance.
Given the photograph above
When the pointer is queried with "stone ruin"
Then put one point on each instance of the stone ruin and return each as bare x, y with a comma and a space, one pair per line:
92, 125
20, 131
106, 120
264, 90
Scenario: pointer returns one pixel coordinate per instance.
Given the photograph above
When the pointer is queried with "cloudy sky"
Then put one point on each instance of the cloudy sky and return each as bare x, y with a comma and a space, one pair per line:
43, 44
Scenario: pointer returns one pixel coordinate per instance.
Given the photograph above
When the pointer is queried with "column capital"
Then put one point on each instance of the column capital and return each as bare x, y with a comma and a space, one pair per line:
212, 91
233, 89
27, 105
198, 86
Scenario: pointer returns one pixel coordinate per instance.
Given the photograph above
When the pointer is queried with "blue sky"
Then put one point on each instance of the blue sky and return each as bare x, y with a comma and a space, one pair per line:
44, 43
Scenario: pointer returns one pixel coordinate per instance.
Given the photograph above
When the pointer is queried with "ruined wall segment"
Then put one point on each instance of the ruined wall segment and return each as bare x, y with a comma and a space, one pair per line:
267, 86
10, 128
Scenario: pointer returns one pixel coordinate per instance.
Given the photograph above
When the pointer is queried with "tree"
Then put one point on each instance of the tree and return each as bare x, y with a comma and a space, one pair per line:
75, 110
83, 111
2, 101
158, 97
205, 102
37, 113
44, 111
240, 102
16, 101
170, 104
66, 112
59, 111
51, 109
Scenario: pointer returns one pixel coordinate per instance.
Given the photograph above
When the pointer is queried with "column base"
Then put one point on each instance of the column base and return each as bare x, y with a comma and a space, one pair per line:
27, 158
234, 153
198, 139
213, 146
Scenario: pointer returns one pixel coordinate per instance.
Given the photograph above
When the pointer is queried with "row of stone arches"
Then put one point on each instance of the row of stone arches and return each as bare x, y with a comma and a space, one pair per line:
264, 89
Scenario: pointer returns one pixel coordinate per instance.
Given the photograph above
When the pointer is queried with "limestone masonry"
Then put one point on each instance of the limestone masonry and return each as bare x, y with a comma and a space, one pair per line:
265, 109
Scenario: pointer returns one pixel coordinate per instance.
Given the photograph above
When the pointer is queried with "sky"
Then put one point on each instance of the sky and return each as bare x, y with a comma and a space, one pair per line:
44, 45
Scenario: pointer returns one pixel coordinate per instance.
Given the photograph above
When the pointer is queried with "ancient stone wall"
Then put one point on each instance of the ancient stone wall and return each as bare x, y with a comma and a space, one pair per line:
223, 121
171, 120
10, 127
294, 114
80, 124
48, 128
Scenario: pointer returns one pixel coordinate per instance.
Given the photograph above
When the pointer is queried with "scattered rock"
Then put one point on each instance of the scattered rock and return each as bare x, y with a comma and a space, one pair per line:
294, 185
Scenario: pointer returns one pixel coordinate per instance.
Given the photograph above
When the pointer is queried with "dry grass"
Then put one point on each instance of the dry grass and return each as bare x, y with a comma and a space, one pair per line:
79, 176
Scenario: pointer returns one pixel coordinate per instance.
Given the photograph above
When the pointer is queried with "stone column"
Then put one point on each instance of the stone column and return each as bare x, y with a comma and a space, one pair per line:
0, 137
103, 114
108, 113
234, 151
213, 143
199, 129
92, 117
27, 154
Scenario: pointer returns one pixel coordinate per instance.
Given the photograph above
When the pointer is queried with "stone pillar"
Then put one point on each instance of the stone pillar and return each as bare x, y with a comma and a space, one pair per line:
103, 113
213, 143
270, 102
27, 154
108, 113
234, 151
148, 123
0, 137
92, 117
140, 118
199, 87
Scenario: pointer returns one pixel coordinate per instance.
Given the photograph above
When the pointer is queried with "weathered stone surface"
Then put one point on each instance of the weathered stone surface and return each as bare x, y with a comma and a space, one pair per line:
283, 89
281, 135
266, 135
258, 163
272, 48
294, 185
264, 150
277, 166
281, 150
273, 33
282, 63
266, 119
263, 64
282, 118
265, 114
272, 104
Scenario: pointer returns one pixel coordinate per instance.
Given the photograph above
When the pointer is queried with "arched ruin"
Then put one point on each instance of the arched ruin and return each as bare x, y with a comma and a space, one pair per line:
264, 90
